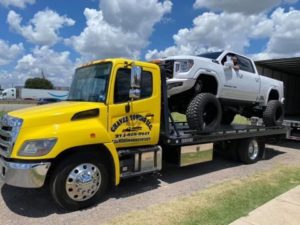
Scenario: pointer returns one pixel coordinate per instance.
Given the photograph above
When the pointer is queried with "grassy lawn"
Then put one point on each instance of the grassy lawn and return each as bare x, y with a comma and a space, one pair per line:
219, 204
1, 114
237, 120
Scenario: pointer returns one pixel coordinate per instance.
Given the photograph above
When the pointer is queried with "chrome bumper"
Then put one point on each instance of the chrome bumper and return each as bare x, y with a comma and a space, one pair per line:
27, 175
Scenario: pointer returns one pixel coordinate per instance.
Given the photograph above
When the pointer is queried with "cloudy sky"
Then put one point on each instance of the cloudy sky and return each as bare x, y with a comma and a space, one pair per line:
54, 37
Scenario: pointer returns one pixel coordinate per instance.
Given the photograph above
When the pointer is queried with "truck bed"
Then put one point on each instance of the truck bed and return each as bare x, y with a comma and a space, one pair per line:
182, 135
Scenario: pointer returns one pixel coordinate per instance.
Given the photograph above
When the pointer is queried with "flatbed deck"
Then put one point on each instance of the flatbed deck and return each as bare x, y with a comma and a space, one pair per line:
292, 121
182, 135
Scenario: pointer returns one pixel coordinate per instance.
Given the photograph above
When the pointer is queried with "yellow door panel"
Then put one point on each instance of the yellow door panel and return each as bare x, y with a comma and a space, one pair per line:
134, 122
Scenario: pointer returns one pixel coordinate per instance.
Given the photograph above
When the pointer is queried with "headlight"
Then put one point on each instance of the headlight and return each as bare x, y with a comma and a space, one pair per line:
37, 147
183, 66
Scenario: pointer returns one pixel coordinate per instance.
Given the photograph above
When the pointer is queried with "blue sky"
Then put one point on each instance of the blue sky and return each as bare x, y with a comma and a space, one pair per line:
54, 36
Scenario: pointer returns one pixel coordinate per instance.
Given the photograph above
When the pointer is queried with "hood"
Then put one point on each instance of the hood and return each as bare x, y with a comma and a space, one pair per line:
54, 113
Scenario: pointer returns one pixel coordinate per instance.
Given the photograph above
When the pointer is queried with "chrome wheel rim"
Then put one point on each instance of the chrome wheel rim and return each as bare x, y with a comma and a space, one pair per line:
83, 182
253, 149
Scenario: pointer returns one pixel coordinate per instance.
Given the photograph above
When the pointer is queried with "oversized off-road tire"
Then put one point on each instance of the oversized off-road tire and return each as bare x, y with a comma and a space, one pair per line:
204, 113
250, 150
227, 117
273, 114
79, 181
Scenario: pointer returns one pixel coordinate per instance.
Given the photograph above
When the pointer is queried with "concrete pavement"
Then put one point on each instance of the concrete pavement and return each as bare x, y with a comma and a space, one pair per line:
283, 210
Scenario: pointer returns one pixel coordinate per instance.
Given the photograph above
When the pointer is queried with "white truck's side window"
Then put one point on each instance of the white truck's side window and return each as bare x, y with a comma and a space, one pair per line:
245, 64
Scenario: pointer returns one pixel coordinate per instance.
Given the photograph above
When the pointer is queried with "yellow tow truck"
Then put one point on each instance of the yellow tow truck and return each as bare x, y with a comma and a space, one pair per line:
115, 124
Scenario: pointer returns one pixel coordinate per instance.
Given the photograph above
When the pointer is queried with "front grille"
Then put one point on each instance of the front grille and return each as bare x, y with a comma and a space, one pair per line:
5, 138
168, 68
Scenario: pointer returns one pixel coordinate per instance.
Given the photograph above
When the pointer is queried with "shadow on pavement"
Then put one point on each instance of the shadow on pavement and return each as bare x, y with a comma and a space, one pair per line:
38, 203
29, 202
290, 144
270, 153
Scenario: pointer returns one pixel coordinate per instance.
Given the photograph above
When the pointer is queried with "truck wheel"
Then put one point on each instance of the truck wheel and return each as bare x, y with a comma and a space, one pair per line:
227, 117
79, 182
273, 114
204, 113
250, 150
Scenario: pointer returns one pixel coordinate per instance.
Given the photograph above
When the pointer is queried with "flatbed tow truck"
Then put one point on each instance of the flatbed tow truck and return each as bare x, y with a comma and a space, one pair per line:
116, 124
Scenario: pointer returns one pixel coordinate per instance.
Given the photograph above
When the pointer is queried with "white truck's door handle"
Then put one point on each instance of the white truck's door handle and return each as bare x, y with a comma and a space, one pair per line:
257, 79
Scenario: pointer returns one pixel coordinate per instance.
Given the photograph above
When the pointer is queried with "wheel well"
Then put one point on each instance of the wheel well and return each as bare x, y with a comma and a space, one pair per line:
209, 83
98, 150
273, 95
205, 83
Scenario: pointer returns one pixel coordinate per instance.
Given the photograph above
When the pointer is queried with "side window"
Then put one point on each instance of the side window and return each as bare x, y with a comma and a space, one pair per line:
146, 85
245, 64
122, 85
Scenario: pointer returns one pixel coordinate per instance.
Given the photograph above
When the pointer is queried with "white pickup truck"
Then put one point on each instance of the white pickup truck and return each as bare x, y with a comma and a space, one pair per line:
211, 89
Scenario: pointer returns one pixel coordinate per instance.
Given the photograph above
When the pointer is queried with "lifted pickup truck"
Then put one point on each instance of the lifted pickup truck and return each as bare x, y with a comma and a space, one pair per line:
115, 124
212, 88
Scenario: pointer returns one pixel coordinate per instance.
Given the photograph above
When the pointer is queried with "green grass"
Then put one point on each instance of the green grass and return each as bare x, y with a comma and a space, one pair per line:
238, 119
1, 113
219, 204
235, 203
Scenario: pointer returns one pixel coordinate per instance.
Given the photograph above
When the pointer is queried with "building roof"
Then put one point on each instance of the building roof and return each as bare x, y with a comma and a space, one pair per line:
287, 65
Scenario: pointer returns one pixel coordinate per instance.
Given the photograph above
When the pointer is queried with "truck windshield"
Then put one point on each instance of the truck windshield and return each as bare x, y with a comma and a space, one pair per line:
211, 55
90, 83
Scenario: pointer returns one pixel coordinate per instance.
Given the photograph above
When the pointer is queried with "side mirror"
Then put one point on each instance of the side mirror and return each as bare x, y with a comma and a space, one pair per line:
134, 93
136, 73
135, 89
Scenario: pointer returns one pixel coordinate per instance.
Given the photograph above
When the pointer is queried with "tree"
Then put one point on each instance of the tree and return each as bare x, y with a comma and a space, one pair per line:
38, 83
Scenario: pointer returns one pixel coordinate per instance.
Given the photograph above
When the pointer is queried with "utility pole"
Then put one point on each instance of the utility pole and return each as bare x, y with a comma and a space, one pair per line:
42, 73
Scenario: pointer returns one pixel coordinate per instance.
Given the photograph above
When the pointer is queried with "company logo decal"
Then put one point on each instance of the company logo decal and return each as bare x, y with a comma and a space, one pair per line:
132, 128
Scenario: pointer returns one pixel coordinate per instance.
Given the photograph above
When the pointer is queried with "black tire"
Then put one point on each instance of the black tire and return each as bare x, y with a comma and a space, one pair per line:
204, 113
250, 150
273, 114
59, 185
227, 117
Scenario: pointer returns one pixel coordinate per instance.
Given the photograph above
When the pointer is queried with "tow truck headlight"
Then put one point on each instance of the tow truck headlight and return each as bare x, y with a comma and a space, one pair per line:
37, 147
183, 66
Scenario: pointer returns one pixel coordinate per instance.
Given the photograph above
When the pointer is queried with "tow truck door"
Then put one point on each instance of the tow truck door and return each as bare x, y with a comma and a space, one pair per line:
134, 122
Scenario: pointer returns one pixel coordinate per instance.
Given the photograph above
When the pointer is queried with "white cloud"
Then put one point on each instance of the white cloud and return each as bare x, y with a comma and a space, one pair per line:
9, 52
42, 29
243, 6
120, 28
8, 79
56, 66
286, 32
212, 31
17, 3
